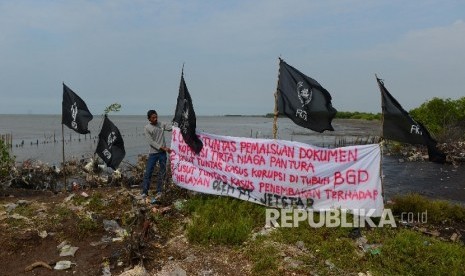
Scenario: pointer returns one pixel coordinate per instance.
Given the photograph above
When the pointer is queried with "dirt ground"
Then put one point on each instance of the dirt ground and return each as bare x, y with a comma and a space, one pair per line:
157, 243
25, 252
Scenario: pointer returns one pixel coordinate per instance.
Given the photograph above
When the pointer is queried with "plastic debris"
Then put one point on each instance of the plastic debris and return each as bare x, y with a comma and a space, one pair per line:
153, 200
138, 270
10, 207
106, 269
355, 233
161, 210
112, 226
66, 249
69, 197
62, 265
75, 186
373, 249
179, 204
117, 174
330, 264
43, 234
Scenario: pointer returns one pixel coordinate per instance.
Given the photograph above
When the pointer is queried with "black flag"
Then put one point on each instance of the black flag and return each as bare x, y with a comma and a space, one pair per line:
184, 117
75, 113
398, 125
304, 100
110, 144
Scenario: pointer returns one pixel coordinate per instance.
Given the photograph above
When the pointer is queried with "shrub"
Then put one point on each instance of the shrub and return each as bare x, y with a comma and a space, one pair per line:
6, 160
443, 118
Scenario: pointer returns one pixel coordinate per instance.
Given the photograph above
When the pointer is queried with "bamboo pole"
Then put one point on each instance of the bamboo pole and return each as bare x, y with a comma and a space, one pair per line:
381, 144
276, 114
63, 151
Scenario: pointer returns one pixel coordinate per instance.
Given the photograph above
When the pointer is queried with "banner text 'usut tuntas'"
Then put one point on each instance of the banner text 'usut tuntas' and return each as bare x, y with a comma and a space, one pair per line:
279, 173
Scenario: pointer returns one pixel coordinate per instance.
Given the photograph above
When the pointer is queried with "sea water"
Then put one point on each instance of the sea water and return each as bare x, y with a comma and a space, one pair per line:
41, 137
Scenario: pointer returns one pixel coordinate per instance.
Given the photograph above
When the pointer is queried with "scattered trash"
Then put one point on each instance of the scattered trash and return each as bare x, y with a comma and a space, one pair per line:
112, 226
17, 216
103, 240
301, 245
23, 202
75, 186
153, 200
138, 270
265, 231
69, 198
10, 207
56, 169
161, 210
178, 271
66, 249
179, 204
330, 264
89, 167
355, 233
43, 234
62, 265
454, 237
106, 271
374, 249
84, 194
117, 174
291, 263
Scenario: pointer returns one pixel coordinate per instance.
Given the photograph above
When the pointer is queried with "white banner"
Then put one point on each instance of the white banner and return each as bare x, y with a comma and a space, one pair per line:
280, 173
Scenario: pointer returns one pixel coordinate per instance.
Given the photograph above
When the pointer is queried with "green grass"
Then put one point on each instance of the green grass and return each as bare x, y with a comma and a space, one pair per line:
411, 253
93, 203
86, 226
25, 210
264, 256
222, 220
437, 211
329, 251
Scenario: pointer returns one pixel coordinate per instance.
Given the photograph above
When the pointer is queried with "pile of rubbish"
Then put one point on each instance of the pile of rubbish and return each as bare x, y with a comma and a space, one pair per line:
37, 175
455, 151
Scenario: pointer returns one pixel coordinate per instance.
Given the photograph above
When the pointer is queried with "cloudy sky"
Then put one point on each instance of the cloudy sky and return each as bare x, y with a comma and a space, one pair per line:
132, 51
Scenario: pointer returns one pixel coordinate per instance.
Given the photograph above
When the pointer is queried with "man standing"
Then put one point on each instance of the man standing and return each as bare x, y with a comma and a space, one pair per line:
154, 133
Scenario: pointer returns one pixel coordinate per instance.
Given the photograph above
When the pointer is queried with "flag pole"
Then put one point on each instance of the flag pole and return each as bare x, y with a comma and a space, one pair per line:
63, 152
275, 119
382, 113
381, 144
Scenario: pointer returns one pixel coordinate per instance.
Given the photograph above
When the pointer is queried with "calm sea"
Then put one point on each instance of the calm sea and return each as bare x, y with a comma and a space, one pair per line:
40, 137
